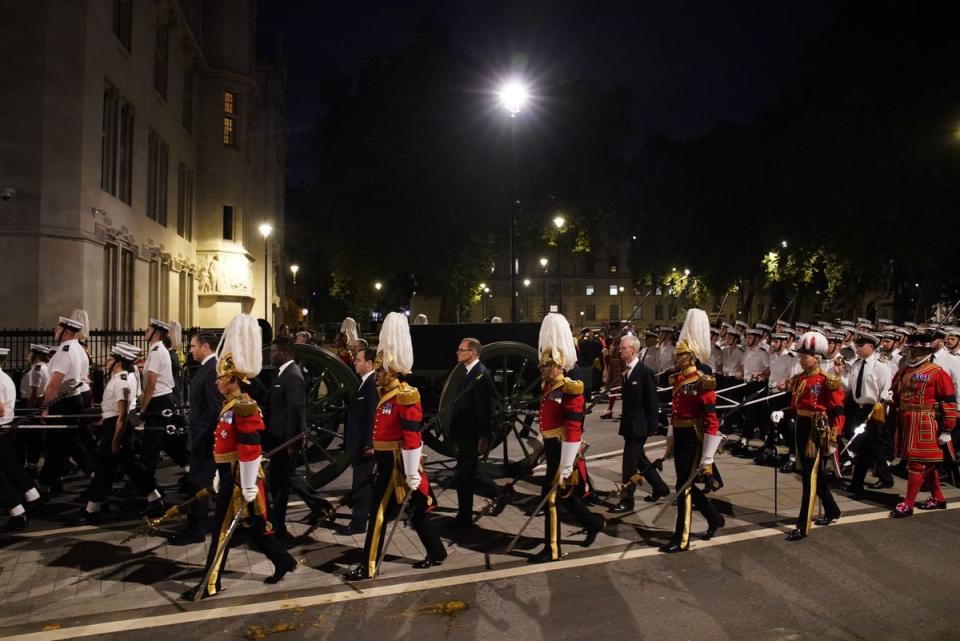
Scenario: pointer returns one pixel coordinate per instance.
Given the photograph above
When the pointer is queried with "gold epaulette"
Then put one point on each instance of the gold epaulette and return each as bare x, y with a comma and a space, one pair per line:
672, 379
246, 407
833, 382
571, 386
707, 382
408, 395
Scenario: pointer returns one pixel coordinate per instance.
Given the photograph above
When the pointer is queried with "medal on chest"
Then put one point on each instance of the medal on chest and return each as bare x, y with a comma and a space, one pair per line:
386, 409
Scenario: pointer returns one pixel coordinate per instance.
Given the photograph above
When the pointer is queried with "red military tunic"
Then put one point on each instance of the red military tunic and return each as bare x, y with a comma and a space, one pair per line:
816, 392
237, 437
694, 401
397, 423
561, 410
917, 391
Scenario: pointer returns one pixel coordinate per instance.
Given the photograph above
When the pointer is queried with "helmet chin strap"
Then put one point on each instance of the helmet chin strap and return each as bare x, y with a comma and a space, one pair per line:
913, 362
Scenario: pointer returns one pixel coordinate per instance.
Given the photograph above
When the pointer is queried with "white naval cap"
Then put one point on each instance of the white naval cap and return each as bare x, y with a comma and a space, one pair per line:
70, 323
159, 324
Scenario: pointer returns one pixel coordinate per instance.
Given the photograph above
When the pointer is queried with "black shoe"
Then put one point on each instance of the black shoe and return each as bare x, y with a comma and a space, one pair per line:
711, 531
543, 556
653, 498
901, 511
881, 485
155, 509
358, 573
932, 504
625, 505
281, 571
671, 548
187, 537
82, 517
459, 523
788, 466
349, 530
16, 523
823, 521
191, 594
796, 535
502, 501
592, 534
427, 563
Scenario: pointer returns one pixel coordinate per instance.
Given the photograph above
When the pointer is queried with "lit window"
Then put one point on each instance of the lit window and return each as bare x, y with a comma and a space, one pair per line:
229, 131
229, 102
614, 290
589, 290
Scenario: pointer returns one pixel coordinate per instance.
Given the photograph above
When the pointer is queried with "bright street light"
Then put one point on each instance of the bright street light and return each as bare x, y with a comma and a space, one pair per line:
378, 286
526, 282
783, 244
265, 229
543, 262
304, 312
513, 96
686, 272
483, 285
294, 269
559, 222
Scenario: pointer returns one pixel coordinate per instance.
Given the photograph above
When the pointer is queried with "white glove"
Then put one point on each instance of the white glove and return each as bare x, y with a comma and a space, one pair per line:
668, 454
710, 444
411, 466
945, 438
860, 429
248, 479
568, 456
216, 482
887, 396
776, 416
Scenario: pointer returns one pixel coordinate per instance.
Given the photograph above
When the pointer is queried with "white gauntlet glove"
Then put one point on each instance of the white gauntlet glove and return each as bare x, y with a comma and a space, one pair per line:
411, 466
945, 438
887, 396
216, 482
568, 456
710, 444
776, 416
248, 479
668, 454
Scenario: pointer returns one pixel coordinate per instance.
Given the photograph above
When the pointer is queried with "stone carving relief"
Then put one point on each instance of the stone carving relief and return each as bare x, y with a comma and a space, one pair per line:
224, 274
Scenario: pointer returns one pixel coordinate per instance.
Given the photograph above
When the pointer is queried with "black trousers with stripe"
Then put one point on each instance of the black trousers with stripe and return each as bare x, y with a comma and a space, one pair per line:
814, 485
686, 461
569, 497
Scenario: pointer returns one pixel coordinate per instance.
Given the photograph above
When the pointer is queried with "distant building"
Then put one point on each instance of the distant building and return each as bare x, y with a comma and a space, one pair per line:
141, 146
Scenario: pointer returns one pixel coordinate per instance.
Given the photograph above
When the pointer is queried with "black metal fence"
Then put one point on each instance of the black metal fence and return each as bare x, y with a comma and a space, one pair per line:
99, 342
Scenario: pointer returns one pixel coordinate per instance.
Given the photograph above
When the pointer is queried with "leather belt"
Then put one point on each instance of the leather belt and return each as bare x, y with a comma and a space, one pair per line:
386, 446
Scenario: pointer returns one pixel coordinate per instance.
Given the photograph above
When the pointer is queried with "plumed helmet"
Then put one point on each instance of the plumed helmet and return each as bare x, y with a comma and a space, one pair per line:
813, 343
83, 318
349, 328
240, 353
175, 334
395, 352
695, 335
556, 342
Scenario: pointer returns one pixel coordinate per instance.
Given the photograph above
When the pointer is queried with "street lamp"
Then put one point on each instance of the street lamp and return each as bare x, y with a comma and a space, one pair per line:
543, 263
378, 286
513, 96
559, 222
294, 269
622, 313
526, 299
265, 229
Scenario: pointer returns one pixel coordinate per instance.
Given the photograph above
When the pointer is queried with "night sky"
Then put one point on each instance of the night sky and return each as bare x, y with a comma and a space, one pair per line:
687, 64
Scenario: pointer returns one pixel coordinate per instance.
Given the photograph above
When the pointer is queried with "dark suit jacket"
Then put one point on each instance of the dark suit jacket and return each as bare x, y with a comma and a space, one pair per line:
358, 431
470, 417
640, 404
205, 404
286, 408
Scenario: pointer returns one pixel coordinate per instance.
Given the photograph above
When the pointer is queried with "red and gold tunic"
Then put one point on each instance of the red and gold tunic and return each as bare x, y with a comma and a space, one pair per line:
561, 410
237, 437
815, 394
694, 401
397, 423
926, 405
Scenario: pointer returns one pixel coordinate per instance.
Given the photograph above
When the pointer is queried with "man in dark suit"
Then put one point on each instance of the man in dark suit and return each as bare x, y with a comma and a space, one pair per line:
639, 420
358, 443
470, 426
285, 418
205, 404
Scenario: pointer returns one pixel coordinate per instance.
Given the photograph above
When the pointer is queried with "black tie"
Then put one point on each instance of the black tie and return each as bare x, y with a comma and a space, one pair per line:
859, 391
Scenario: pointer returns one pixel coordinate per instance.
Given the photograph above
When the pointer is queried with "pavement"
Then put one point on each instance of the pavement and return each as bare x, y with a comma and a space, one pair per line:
89, 582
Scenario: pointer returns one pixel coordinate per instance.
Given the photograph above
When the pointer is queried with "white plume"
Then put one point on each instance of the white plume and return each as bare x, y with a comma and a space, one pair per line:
81, 316
349, 327
175, 334
421, 319
555, 334
696, 331
242, 340
395, 343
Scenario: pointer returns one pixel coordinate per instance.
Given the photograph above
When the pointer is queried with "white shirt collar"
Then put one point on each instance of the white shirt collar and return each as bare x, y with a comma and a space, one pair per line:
633, 363
469, 366
209, 356
363, 379
284, 366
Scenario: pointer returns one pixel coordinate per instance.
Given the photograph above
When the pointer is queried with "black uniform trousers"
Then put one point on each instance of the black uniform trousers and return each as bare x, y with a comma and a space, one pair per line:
62, 445
869, 449
568, 496
361, 492
635, 460
385, 508
686, 461
278, 482
107, 463
14, 480
814, 484
157, 439
253, 528
202, 469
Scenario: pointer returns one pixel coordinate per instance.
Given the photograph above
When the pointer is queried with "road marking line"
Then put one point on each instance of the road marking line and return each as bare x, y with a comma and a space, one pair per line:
356, 593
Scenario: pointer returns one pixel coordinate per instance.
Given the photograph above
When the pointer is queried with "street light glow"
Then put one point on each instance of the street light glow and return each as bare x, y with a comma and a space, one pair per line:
621, 289
783, 244
559, 222
304, 312
526, 282
378, 286
513, 96
265, 229
686, 272
483, 285
543, 262
294, 269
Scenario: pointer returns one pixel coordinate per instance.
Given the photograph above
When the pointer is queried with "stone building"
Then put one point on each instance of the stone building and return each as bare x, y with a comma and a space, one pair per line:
141, 147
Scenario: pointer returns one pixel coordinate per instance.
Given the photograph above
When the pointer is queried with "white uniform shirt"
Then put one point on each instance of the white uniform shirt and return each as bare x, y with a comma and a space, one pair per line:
716, 358
37, 377
72, 361
733, 361
755, 361
113, 393
158, 361
8, 396
782, 366
949, 362
877, 377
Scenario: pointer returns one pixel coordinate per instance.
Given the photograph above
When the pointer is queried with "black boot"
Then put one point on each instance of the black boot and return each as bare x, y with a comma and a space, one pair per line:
626, 504
359, 573
543, 556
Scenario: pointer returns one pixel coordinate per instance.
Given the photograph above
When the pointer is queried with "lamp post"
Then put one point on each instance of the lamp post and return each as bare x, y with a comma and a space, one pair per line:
543, 263
265, 230
622, 313
526, 299
559, 222
513, 96
294, 269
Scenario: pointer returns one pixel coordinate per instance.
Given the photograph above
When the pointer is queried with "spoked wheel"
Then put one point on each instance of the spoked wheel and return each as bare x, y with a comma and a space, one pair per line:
514, 382
331, 388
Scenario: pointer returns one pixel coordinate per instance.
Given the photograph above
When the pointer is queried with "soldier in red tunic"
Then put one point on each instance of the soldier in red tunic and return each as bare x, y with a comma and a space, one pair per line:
397, 445
817, 403
694, 433
561, 425
238, 481
924, 414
